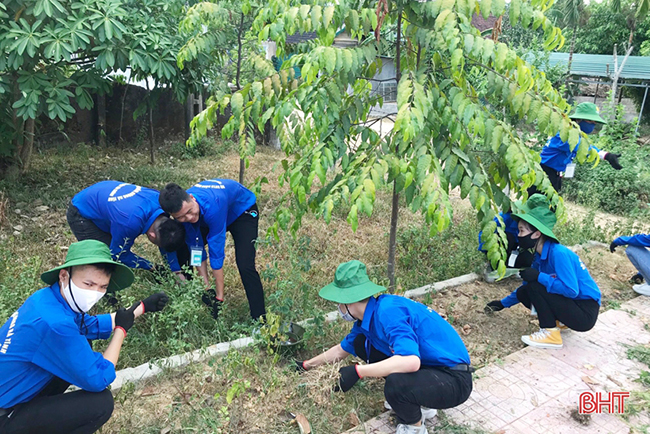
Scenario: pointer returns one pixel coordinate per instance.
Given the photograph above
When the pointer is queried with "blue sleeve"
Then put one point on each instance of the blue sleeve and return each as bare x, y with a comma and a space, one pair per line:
97, 326
66, 354
348, 342
217, 236
401, 336
121, 243
510, 300
565, 280
172, 259
639, 240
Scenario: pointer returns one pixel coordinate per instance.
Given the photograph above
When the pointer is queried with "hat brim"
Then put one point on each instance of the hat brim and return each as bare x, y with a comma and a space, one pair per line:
589, 117
536, 224
122, 277
349, 295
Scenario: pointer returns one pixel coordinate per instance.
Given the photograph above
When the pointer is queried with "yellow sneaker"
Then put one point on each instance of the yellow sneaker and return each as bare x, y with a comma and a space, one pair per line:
561, 326
544, 338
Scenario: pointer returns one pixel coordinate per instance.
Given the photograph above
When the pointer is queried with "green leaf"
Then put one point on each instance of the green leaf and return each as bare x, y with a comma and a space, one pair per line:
353, 219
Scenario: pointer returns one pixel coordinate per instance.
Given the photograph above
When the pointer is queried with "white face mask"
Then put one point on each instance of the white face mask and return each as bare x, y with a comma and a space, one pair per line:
79, 299
346, 315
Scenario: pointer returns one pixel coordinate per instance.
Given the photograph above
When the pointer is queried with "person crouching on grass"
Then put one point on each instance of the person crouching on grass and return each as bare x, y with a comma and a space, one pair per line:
45, 346
558, 285
423, 359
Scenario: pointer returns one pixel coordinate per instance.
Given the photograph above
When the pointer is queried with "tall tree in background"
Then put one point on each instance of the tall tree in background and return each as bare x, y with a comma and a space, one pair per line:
455, 96
218, 36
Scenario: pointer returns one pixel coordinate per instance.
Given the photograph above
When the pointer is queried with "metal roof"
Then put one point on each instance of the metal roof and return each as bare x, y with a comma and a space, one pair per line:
598, 65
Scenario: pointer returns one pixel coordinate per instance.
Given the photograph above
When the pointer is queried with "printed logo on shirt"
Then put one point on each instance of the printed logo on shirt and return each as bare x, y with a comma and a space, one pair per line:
582, 265
10, 333
114, 197
211, 183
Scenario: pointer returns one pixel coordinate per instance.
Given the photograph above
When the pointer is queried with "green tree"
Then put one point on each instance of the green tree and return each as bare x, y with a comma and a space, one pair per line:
454, 88
54, 52
219, 38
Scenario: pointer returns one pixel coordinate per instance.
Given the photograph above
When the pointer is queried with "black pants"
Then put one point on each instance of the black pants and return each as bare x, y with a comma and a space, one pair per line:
85, 229
553, 176
55, 412
578, 315
431, 387
244, 232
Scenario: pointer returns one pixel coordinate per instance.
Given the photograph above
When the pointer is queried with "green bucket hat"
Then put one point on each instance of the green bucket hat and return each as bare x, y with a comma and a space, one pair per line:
351, 284
537, 212
588, 111
89, 252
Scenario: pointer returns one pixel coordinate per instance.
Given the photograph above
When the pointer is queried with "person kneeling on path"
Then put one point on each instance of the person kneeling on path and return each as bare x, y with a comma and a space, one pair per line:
639, 256
208, 210
423, 359
557, 156
558, 285
116, 213
45, 346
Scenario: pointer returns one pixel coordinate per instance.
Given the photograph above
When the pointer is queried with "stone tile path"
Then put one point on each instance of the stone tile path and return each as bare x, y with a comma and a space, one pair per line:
534, 391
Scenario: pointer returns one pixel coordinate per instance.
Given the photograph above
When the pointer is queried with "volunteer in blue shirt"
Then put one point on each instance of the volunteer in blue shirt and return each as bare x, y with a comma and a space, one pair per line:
422, 358
557, 285
639, 255
557, 154
45, 346
208, 210
116, 213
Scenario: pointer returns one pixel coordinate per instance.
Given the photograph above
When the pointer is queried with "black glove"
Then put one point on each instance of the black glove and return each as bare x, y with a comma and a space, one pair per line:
612, 247
348, 377
637, 279
300, 366
124, 318
494, 306
209, 297
155, 302
612, 159
529, 274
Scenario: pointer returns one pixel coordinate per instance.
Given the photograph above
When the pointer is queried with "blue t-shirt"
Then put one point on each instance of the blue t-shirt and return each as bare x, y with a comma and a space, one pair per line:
638, 240
43, 339
562, 272
558, 154
126, 211
511, 227
221, 201
396, 325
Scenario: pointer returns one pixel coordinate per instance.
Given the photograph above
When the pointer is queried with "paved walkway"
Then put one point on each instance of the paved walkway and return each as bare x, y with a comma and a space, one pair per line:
534, 391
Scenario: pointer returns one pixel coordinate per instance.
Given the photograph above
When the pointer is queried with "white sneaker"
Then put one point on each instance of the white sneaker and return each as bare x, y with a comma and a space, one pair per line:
427, 413
643, 289
411, 429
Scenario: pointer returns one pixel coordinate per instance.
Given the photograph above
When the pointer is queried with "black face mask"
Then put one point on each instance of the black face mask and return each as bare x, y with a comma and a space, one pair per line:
527, 242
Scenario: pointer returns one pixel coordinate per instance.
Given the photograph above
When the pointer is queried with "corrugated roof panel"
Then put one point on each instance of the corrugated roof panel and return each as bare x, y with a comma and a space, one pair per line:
598, 65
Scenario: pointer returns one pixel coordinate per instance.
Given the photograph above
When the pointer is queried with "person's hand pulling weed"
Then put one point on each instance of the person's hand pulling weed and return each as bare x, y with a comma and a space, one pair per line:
348, 377
493, 306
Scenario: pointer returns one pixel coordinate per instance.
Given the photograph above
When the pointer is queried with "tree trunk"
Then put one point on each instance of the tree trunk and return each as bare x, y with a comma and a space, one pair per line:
394, 213
571, 50
242, 163
101, 120
126, 89
617, 73
28, 146
151, 136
